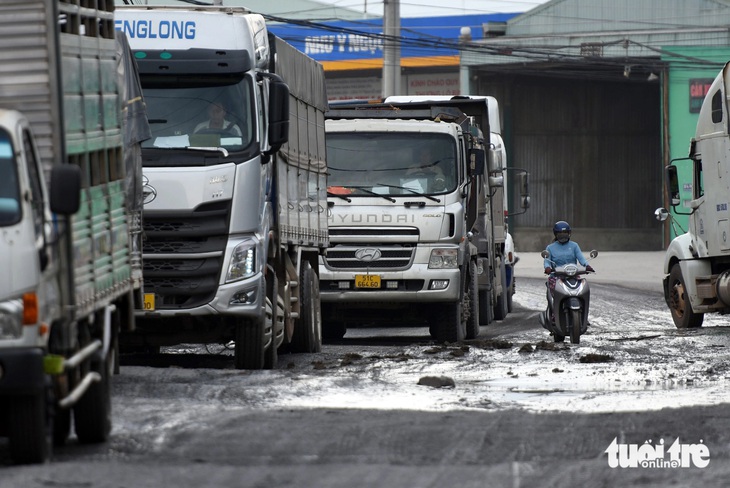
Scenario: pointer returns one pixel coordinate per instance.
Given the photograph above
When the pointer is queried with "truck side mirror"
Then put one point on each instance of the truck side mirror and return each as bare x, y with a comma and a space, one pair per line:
524, 190
476, 162
672, 185
278, 114
65, 197
496, 163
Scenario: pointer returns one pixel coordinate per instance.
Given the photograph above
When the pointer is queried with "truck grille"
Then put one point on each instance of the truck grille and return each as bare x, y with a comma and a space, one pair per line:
371, 248
390, 258
186, 281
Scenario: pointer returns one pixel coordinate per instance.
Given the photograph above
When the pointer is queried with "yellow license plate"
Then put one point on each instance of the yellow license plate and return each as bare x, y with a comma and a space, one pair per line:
367, 281
149, 302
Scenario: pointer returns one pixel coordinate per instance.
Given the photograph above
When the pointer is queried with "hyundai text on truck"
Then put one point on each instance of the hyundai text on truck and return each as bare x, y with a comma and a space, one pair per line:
697, 262
411, 232
234, 216
69, 250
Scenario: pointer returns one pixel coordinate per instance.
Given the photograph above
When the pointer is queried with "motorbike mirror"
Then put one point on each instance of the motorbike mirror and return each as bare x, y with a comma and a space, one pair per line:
661, 214
545, 254
594, 253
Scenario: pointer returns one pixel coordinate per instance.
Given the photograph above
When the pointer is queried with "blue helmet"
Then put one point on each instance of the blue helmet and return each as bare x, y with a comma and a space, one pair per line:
561, 231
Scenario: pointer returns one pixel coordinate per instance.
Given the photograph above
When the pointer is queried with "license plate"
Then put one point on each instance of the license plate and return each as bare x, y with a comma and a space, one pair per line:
367, 281
149, 302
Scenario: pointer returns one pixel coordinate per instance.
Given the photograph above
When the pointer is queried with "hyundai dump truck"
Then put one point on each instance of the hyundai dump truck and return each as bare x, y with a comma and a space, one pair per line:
496, 247
697, 262
235, 183
67, 252
411, 237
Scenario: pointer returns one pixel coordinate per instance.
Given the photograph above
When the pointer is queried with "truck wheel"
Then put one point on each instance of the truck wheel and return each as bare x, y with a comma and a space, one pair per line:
274, 319
28, 433
472, 302
307, 335
448, 325
486, 310
511, 287
500, 307
679, 304
93, 412
249, 351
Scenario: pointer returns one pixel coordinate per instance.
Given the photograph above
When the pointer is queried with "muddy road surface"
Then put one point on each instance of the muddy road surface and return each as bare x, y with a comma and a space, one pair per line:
636, 403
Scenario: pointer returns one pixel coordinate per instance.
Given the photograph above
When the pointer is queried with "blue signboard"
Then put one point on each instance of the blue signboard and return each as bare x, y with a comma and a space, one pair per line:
363, 39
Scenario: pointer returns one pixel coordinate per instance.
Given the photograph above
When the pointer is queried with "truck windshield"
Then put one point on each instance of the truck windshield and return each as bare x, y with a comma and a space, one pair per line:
401, 164
9, 192
201, 116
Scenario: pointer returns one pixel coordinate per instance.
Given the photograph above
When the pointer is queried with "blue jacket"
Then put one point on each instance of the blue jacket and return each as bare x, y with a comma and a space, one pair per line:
562, 254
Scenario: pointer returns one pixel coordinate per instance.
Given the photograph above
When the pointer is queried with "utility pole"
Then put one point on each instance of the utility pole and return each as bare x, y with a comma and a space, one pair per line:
391, 54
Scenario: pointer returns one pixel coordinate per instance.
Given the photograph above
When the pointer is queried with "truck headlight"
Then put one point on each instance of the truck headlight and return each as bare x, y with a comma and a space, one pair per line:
444, 259
243, 262
11, 319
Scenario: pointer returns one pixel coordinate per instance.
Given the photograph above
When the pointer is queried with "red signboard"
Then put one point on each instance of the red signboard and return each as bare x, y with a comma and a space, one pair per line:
698, 88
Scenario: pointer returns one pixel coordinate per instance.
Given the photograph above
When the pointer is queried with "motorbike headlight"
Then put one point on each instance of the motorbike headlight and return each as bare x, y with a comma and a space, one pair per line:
444, 259
243, 262
11, 319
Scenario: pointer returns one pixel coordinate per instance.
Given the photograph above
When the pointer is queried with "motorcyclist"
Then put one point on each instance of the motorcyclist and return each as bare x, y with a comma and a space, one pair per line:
563, 251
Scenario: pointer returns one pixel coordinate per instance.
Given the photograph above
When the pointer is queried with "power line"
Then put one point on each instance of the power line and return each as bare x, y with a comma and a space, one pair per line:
546, 52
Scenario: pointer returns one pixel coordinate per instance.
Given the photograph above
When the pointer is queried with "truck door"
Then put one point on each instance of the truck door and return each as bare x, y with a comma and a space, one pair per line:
710, 219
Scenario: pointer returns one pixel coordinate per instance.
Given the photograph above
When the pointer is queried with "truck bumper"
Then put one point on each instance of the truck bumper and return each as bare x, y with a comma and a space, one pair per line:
409, 286
21, 371
243, 298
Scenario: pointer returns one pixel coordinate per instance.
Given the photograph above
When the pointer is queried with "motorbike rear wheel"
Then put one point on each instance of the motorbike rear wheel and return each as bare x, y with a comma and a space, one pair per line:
574, 325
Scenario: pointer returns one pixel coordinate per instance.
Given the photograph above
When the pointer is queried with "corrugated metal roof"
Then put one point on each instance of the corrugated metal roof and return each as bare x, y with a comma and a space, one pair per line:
574, 16
290, 9
605, 29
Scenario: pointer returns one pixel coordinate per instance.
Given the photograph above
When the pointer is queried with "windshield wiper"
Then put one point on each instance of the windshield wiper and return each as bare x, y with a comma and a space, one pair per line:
222, 150
390, 199
434, 199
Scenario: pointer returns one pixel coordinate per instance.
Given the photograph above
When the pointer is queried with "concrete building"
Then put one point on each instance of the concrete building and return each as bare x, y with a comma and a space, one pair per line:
598, 96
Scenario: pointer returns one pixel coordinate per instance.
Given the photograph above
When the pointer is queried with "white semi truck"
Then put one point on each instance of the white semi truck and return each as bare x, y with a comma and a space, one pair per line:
69, 251
235, 209
697, 262
412, 234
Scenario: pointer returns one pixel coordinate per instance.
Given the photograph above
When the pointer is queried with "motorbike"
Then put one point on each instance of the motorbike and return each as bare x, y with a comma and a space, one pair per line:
566, 314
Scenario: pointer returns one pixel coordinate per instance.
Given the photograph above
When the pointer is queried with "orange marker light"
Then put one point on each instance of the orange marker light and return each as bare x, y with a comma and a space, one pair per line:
30, 309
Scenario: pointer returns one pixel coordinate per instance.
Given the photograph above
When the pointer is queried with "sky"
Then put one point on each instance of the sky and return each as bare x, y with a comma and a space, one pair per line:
436, 8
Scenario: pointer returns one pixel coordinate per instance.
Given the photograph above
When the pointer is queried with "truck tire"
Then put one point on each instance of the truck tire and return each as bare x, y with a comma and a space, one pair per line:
307, 335
93, 412
274, 319
249, 351
500, 306
448, 325
486, 310
472, 302
679, 304
28, 432
511, 287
